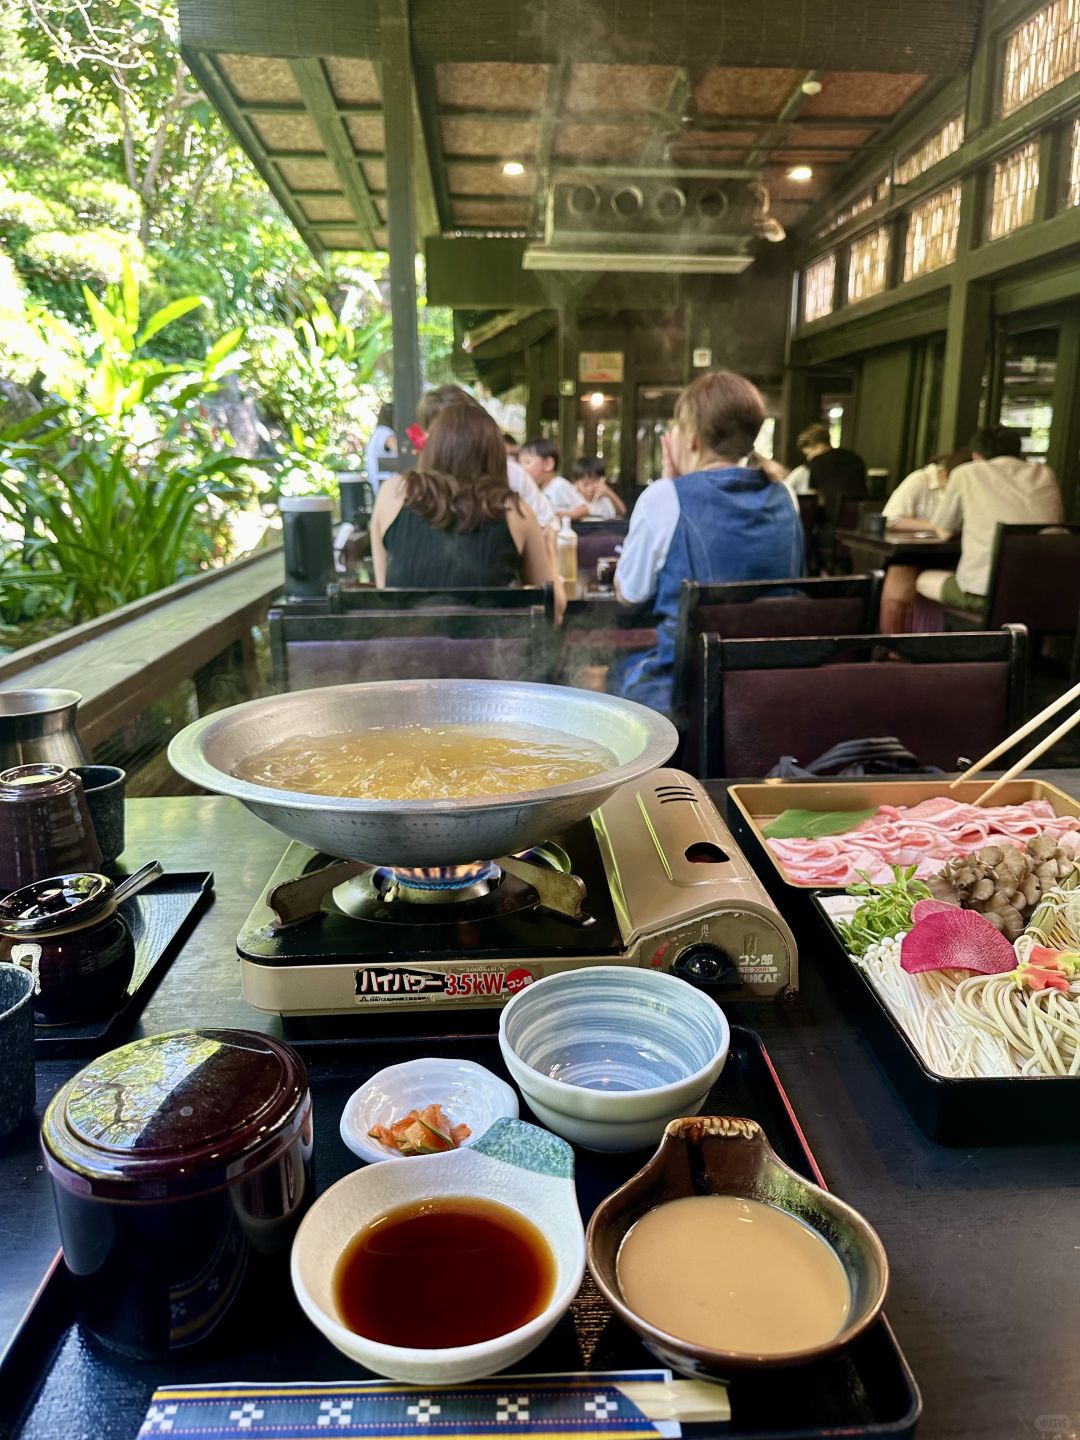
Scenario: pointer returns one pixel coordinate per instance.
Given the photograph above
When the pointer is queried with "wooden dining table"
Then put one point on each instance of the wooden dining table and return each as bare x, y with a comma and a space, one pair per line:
924, 550
982, 1240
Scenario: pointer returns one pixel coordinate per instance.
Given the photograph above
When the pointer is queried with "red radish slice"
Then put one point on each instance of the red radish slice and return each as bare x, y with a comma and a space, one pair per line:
924, 908
955, 939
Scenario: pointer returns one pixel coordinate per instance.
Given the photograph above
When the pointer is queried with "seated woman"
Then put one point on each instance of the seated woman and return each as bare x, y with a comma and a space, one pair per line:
715, 516
915, 505
455, 522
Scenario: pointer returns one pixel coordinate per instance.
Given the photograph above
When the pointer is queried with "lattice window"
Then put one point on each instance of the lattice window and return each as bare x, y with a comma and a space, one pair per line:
1016, 182
1072, 194
1040, 53
932, 226
868, 265
934, 149
819, 288
848, 213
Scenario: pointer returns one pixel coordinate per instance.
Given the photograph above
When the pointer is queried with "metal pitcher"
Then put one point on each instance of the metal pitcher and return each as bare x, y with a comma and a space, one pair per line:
39, 726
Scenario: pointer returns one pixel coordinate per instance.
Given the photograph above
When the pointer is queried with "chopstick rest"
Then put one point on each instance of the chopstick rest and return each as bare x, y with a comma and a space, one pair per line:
632, 1404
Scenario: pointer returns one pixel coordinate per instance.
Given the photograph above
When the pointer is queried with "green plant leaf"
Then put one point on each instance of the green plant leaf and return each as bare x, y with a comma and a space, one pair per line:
175, 310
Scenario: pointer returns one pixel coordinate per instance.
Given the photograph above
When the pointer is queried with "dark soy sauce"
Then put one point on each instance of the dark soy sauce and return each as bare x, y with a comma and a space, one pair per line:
442, 1273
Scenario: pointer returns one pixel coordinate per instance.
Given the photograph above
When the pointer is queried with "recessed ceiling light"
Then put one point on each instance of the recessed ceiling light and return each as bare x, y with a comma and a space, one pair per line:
802, 173
513, 167
811, 87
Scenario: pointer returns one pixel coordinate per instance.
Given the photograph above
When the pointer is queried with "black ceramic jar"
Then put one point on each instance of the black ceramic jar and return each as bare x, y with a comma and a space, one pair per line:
181, 1166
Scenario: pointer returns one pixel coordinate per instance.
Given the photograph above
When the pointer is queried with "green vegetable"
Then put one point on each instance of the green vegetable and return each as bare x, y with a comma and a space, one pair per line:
812, 824
886, 910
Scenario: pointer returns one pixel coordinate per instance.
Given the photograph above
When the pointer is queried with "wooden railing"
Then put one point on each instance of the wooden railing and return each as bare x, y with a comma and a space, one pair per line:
123, 662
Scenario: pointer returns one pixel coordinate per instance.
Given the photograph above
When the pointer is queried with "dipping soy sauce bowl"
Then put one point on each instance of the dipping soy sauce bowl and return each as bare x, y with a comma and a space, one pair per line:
725, 1155
513, 1164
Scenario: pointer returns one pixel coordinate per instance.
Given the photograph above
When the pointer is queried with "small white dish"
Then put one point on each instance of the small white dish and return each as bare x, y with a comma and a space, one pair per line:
515, 1164
466, 1092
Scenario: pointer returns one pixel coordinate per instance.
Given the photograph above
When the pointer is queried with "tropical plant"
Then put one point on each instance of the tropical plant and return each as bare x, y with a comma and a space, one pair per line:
120, 491
316, 383
103, 525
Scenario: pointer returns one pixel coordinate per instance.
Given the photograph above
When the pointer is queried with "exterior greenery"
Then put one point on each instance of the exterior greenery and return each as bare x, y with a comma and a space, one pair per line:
152, 292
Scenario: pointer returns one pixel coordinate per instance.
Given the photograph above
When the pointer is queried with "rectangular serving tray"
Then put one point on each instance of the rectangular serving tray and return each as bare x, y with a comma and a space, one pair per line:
1017, 1110
55, 1380
753, 806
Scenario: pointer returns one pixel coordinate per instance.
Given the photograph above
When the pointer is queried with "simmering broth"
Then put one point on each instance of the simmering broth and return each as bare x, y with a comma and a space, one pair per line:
444, 1272
421, 762
733, 1274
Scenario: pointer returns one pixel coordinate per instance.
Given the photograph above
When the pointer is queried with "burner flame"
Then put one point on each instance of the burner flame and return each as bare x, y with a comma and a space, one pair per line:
442, 878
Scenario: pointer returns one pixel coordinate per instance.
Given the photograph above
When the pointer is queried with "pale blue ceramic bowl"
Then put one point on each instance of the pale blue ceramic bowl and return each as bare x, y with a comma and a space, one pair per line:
606, 1056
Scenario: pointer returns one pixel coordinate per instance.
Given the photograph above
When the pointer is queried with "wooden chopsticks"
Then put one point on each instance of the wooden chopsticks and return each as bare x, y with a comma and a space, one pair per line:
1018, 735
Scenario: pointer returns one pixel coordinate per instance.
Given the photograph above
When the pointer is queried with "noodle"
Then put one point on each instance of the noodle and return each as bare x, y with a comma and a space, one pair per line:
966, 1026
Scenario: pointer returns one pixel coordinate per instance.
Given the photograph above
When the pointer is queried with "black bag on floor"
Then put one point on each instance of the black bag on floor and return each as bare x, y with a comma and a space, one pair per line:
884, 755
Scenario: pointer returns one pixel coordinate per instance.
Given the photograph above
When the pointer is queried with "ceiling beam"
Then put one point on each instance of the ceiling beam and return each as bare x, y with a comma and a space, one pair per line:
773, 135
314, 86
566, 170
398, 91
290, 107
558, 78
691, 119
220, 96
431, 134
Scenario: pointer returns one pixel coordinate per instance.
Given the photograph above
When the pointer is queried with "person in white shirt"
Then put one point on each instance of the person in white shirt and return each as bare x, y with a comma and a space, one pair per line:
382, 443
540, 457
590, 480
915, 505
997, 487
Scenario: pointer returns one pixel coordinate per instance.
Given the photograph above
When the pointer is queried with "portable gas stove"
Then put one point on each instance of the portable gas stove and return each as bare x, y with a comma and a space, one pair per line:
653, 878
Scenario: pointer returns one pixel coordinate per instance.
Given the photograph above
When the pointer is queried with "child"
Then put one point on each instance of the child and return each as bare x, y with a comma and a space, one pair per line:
590, 480
540, 459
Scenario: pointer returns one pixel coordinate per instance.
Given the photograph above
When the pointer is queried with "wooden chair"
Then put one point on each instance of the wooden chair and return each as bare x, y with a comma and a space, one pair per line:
757, 609
364, 599
594, 632
809, 510
315, 650
597, 538
1034, 581
943, 696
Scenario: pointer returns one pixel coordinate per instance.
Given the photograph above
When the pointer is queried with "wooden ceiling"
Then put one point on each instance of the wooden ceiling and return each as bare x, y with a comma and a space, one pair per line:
313, 122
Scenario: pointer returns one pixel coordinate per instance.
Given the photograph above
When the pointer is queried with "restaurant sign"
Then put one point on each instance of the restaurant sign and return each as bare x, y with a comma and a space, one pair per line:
600, 367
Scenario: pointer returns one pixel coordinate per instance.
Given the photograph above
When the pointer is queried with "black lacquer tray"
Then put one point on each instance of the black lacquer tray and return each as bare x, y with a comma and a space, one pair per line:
992, 1110
55, 1380
160, 918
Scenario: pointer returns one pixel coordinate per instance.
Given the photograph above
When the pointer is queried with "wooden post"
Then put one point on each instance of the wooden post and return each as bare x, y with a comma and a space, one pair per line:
397, 88
568, 404
534, 389
968, 328
1064, 447
628, 450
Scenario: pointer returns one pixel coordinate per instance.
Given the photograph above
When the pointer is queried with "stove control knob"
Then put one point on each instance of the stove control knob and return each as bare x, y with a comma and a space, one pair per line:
707, 967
